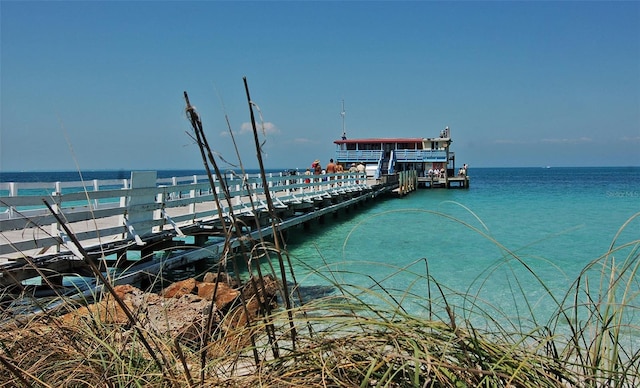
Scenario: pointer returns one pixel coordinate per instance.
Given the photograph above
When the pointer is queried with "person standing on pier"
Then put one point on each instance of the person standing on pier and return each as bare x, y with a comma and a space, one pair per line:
317, 170
331, 169
361, 169
339, 170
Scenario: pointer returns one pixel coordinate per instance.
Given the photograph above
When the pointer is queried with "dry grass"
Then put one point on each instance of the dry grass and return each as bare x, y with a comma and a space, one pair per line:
340, 342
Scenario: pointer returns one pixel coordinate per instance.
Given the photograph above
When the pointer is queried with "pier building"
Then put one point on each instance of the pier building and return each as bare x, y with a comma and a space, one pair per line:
431, 158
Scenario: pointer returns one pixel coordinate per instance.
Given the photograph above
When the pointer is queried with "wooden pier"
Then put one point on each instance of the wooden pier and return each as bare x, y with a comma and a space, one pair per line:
138, 227
455, 182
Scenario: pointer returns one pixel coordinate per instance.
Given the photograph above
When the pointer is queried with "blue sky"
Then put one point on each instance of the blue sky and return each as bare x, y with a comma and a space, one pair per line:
99, 85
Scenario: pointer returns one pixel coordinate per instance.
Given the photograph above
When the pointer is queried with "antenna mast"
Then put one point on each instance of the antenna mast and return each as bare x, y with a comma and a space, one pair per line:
344, 132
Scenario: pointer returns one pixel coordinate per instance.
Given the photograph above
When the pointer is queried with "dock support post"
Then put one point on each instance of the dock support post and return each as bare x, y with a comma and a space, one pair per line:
200, 239
55, 280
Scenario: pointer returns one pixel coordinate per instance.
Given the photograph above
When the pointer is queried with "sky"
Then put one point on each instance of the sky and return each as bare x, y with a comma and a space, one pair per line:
99, 85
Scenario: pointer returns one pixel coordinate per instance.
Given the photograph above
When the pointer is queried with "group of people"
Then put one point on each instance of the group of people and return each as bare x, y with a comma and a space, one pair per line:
441, 172
331, 168
436, 173
463, 170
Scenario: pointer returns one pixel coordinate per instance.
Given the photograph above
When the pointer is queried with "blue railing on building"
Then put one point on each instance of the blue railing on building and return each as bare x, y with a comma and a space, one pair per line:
420, 155
349, 156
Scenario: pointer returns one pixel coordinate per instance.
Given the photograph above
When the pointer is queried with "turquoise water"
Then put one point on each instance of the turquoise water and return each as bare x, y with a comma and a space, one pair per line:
485, 241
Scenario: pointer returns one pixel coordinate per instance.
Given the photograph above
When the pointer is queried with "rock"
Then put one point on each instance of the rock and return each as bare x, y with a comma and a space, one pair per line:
184, 317
125, 290
178, 289
224, 295
107, 311
238, 317
269, 285
181, 309
223, 277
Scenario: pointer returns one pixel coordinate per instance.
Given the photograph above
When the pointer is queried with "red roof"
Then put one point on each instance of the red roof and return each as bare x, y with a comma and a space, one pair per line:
380, 140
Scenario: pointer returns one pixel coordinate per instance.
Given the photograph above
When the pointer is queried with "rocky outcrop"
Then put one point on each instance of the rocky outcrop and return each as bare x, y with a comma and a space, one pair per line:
181, 310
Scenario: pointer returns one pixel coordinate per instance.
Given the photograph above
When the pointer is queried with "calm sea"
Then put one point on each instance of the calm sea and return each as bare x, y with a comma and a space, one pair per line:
517, 239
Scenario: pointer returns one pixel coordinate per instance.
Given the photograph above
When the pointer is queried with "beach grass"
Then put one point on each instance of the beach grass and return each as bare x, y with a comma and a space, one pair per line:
356, 336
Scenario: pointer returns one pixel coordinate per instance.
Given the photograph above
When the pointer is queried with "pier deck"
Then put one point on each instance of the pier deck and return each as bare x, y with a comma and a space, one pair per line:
461, 182
131, 228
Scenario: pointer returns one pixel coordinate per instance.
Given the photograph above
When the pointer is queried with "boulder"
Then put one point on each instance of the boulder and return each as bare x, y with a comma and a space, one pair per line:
178, 289
224, 295
181, 309
184, 317
223, 277
107, 310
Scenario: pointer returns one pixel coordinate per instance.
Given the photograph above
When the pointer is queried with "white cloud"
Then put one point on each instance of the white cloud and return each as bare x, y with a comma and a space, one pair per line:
302, 140
628, 139
578, 140
509, 141
266, 128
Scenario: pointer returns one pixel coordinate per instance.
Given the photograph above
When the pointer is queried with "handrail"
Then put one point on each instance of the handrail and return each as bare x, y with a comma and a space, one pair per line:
392, 162
143, 208
354, 156
420, 155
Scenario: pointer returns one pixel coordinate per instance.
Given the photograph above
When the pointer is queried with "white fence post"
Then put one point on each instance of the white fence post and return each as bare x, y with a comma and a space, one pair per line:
13, 192
96, 187
141, 180
192, 195
56, 206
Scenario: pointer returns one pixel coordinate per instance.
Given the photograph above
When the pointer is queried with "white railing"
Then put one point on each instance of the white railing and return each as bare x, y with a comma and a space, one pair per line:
144, 205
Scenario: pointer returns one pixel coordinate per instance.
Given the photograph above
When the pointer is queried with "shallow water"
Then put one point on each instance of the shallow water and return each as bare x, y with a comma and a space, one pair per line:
517, 239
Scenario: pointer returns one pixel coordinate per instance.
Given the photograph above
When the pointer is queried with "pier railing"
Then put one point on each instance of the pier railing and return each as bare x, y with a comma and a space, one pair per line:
420, 155
143, 205
355, 156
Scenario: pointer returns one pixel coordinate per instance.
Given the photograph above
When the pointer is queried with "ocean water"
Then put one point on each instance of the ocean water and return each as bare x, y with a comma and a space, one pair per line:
510, 247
